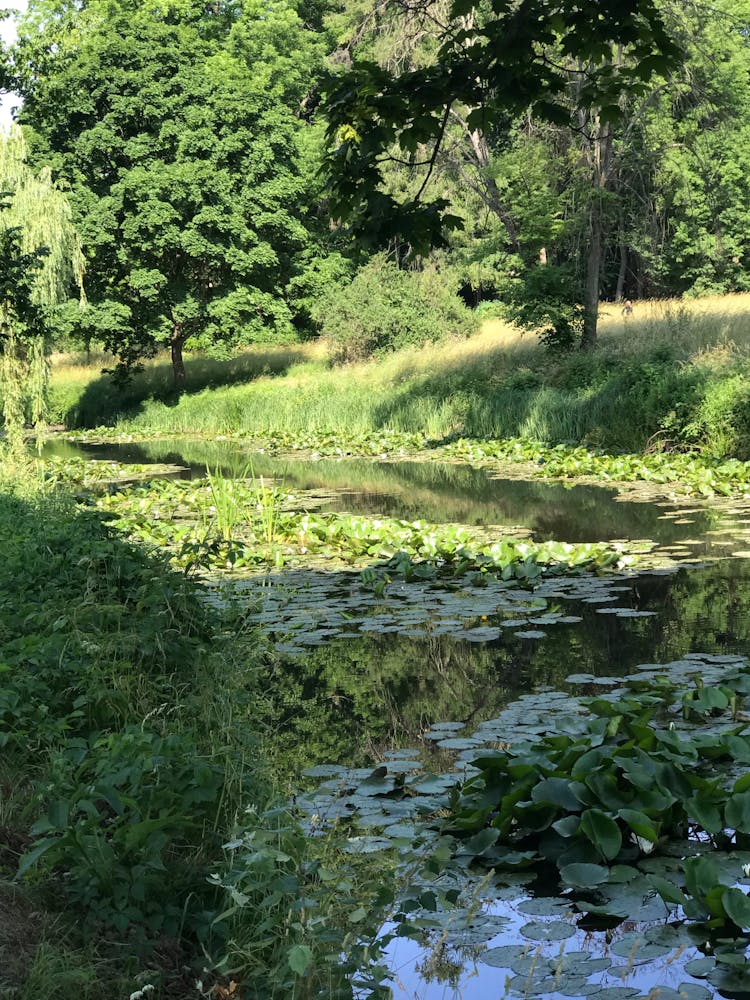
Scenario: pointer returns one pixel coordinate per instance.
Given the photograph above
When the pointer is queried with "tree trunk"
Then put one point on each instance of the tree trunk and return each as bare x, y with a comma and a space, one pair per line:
601, 158
178, 365
621, 274
593, 272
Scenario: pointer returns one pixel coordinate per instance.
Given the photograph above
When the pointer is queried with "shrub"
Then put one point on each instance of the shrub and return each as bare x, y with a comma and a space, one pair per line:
386, 308
722, 423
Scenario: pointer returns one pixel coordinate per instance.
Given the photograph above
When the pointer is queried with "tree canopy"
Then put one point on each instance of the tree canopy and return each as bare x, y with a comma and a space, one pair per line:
494, 65
168, 122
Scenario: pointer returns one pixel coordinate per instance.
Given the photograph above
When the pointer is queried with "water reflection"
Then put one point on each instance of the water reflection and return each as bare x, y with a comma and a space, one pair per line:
431, 491
350, 699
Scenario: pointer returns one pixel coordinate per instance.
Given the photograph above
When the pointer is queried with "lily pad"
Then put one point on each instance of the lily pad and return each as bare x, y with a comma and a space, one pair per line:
553, 930
502, 957
544, 907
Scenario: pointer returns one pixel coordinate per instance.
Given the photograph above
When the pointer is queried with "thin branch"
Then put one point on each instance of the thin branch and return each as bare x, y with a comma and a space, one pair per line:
436, 150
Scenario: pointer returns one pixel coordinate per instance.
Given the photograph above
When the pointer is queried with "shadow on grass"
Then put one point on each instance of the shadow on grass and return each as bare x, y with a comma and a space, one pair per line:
104, 400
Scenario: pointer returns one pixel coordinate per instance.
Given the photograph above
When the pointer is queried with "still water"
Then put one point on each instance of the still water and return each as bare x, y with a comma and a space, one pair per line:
361, 675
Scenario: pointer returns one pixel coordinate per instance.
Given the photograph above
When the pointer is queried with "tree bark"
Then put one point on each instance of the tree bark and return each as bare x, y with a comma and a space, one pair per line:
622, 273
601, 153
593, 271
178, 365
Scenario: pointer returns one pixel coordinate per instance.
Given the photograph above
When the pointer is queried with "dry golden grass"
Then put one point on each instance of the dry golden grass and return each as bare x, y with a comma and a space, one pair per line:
82, 367
718, 323
712, 330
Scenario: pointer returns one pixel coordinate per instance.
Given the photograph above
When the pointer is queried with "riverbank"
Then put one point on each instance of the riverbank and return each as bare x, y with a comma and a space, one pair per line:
673, 375
133, 742
384, 841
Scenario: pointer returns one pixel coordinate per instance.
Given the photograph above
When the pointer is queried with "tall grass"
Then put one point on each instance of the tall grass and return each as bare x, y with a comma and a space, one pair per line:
674, 372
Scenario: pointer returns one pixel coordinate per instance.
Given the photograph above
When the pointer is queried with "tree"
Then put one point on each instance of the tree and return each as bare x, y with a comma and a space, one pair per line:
487, 71
182, 161
40, 260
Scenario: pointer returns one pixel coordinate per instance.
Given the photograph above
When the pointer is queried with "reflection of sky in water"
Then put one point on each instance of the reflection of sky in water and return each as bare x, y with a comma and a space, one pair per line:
482, 982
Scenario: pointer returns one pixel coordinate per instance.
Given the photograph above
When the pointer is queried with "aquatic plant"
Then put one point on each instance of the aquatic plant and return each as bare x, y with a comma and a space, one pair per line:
178, 516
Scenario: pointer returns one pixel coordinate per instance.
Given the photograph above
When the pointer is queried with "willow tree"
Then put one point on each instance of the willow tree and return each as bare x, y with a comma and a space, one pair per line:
40, 259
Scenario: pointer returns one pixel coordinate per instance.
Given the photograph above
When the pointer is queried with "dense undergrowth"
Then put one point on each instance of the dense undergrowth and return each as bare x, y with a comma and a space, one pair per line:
131, 732
671, 379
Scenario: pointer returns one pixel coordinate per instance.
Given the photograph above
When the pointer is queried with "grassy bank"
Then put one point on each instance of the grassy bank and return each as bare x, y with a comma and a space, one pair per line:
132, 751
670, 375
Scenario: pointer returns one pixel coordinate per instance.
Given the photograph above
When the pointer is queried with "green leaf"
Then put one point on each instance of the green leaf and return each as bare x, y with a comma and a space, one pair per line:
737, 812
567, 826
482, 841
556, 791
584, 876
299, 957
603, 832
737, 907
668, 891
640, 824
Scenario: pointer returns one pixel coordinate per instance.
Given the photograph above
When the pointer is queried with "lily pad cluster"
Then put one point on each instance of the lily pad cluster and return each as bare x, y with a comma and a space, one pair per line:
306, 608
245, 524
686, 473
638, 798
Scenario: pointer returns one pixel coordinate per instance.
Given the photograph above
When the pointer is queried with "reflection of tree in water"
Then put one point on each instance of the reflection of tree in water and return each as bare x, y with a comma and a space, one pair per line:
433, 491
349, 701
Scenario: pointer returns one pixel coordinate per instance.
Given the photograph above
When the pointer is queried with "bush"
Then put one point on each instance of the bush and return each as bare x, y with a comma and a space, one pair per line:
386, 308
721, 425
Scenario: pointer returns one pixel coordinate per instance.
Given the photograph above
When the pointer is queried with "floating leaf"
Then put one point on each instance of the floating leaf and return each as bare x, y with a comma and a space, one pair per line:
700, 967
553, 930
584, 875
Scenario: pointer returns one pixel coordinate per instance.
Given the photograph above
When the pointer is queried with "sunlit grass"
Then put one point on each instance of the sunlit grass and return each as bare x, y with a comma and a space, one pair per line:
690, 326
672, 369
81, 367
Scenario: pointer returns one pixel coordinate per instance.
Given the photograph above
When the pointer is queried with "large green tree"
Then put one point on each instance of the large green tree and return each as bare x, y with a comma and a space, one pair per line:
488, 66
176, 125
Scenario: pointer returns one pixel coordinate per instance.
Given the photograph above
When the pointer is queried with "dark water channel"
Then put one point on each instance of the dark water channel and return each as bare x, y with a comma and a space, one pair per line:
366, 674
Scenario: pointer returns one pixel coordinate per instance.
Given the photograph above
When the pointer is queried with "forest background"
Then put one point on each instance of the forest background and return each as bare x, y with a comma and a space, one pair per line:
192, 143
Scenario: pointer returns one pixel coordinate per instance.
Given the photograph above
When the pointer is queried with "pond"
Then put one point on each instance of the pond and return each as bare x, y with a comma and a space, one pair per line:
362, 675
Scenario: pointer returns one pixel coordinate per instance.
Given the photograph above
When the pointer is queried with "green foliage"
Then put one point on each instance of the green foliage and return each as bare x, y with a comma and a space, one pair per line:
322, 912
723, 418
110, 669
386, 308
41, 259
612, 787
22, 326
183, 165
125, 813
231, 524
543, 299
686, 473
492, 66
